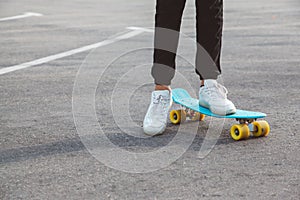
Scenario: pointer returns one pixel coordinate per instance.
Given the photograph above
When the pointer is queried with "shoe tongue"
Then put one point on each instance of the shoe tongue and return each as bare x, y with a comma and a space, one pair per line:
163, 93
210, 83
160, 92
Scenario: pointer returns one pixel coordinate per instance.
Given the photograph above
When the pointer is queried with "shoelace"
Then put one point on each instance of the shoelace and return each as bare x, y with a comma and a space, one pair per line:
160, 104
217, 91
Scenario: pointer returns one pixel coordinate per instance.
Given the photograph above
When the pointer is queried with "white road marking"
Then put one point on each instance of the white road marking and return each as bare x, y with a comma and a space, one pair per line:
149, 30
134, 32
71, 52
27, 14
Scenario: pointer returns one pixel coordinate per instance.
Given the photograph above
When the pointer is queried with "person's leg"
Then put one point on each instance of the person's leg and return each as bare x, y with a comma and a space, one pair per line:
167, 26
209, 24
209, 40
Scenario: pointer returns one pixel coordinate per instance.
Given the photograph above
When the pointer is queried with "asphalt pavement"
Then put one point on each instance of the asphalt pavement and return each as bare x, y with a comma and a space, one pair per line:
75, 85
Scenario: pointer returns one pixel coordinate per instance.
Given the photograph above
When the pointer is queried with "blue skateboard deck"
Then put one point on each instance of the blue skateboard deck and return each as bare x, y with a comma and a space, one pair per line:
182, 97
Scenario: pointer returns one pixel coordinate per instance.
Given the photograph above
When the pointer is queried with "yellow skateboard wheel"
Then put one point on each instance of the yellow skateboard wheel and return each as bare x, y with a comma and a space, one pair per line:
198, 117
261, 128
202, 116
239, 132
177, 116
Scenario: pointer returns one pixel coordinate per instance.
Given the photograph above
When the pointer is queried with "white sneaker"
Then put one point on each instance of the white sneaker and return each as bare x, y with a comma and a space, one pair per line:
155, 121
214, 97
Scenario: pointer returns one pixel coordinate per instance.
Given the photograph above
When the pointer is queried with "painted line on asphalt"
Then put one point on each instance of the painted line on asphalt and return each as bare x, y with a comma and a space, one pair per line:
128, 35
25, 15
134, 32
148, 30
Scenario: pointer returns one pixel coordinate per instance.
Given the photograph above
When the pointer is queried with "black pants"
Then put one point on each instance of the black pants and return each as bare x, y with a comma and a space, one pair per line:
209, 23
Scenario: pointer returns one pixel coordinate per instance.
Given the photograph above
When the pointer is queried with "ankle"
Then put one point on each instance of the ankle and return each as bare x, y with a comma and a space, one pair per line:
201, 83
162, 87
